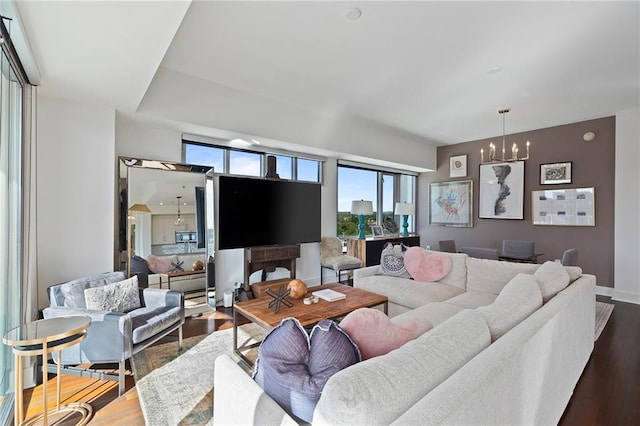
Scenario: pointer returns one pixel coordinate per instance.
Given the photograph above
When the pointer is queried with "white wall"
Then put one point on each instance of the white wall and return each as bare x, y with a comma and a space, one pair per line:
75, 191
627, 207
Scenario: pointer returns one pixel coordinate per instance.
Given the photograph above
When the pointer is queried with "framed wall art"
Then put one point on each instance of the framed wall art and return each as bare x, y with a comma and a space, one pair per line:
502, 190
564, 207
458, 166
451, 204
555, 173
377, 230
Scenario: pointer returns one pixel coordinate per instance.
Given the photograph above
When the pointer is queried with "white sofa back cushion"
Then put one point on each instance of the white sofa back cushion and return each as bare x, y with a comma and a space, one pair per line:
490, 276
353, 395
552, 278
457, 276
517, 300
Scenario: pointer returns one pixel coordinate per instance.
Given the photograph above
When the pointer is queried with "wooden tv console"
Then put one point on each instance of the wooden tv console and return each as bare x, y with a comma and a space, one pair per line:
267, 259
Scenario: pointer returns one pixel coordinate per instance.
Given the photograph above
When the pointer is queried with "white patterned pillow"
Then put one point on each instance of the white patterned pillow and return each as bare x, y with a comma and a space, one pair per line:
392, 261
121, 296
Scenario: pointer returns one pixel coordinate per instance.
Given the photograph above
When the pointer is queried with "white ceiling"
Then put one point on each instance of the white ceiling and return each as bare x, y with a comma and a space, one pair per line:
438, 71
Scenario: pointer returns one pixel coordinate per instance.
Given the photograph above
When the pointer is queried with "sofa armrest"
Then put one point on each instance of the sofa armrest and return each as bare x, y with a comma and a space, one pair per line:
155, 297
369, 271
256, 406
109, 336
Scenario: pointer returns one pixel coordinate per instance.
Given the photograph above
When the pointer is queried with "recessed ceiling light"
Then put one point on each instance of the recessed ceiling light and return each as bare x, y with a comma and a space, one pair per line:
494, 70
353, 14
589, 136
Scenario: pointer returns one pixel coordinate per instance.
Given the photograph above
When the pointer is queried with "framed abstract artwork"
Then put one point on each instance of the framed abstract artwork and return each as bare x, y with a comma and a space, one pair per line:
458, 166
451, 204
502, 190
555, 173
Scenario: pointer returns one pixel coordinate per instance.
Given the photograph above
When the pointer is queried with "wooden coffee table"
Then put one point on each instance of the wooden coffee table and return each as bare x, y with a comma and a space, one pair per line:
258, 311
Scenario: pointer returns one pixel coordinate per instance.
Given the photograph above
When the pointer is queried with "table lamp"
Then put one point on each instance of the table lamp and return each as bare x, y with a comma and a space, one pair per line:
361, 208
405, 209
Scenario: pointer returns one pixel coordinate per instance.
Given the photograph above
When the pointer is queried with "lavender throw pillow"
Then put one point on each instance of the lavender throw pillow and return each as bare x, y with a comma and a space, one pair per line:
293, 367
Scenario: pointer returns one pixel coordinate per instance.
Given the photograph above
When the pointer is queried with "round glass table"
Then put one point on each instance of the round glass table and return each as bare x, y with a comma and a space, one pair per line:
41, 338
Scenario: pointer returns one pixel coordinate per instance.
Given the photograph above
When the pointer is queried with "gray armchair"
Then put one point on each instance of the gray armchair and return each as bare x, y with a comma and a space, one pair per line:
114, 337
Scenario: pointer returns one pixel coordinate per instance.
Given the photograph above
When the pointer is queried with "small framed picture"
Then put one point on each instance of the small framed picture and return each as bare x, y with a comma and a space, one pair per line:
377, 230
555, 173
458, 166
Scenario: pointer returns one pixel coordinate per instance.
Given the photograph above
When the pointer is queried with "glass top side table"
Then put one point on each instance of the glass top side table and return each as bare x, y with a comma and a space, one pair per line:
41, 338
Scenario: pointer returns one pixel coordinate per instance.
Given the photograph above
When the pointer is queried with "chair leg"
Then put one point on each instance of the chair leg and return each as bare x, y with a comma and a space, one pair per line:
121, 373
321, 275
180, 338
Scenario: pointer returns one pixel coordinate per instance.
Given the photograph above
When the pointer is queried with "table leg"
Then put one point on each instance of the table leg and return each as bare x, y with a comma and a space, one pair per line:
44, 383
58, 373
235, 331
18, 402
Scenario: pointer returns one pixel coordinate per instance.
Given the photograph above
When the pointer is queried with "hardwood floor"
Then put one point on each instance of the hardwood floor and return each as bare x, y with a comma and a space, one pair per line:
608, 392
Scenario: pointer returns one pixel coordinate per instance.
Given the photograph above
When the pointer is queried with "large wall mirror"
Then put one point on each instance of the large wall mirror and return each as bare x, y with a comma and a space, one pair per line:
165, 215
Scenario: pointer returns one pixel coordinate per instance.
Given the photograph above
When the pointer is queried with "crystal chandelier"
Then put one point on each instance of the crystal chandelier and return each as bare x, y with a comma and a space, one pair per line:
179, 220
492, 147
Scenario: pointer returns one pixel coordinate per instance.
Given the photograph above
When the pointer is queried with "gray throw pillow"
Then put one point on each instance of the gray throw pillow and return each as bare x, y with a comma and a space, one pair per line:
392, 261
293, 367
121, 296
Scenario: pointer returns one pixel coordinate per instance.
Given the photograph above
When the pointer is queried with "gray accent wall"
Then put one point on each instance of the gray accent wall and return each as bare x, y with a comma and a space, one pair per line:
593, 166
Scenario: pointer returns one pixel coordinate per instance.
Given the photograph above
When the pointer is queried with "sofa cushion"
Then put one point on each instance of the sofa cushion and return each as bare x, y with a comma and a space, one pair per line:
392, 261
472, 299
517, 300
490, 276
457, 276
380, 389
375, 334
161, 264
574, 272
121, 296
426, 265
293, 367
409, 293
436, 313
149, 321
552, 278
73, 291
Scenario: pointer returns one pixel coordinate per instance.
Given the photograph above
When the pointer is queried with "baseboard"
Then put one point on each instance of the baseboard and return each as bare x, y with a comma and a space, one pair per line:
626, 296
605, 291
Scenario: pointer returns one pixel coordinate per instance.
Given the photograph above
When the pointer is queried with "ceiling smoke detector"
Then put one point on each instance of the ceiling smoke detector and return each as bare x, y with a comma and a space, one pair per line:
353, 14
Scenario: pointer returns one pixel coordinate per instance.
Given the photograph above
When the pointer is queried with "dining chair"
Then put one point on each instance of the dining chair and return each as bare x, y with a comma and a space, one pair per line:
448, 246
570, 257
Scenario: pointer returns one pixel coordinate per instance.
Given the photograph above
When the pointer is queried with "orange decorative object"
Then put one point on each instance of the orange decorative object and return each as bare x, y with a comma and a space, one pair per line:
297, 289
198, 265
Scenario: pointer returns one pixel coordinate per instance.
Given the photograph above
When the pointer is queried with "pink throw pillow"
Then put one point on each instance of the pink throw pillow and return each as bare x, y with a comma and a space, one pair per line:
375, 334
426, 265
159, 265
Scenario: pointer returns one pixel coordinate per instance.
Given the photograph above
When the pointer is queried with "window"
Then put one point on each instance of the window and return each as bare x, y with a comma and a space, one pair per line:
12, 93
204, 155
308, 170
245, 163
226, 160
284, 166
382, 188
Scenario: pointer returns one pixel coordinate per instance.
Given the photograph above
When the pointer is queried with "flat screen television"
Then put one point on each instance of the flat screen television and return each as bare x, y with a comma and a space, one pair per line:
261, 212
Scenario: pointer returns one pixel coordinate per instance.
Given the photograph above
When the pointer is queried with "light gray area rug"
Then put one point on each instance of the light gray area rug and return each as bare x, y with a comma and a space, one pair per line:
603, 312
177, 388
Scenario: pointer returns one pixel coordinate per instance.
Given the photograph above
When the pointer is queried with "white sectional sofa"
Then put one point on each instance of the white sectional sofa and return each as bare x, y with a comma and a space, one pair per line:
505, 349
